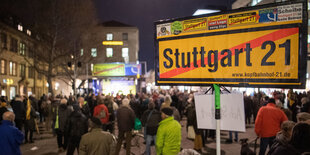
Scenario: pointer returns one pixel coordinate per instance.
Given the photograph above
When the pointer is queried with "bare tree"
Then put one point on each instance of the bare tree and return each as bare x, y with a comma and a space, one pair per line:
61, 26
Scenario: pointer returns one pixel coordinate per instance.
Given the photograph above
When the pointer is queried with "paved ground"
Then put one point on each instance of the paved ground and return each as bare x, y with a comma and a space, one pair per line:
45, 144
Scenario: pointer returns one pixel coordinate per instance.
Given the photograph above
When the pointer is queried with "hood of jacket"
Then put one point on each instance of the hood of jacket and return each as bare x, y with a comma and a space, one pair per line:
282, 138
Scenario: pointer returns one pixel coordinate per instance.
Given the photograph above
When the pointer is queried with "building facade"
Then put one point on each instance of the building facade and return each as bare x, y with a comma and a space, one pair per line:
17, 75
113, 47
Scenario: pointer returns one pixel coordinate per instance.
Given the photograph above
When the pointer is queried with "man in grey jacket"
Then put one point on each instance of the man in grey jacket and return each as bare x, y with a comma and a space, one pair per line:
96, 141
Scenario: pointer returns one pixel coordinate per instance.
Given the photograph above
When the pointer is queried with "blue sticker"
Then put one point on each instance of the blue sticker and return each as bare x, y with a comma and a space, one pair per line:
268, 15
132, 70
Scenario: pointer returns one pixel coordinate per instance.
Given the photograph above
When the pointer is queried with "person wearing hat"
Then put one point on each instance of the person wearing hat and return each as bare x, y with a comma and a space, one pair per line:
168, 138
97, 141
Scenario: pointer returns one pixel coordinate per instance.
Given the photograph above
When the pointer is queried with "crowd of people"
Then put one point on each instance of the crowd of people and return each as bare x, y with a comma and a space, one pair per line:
88, 123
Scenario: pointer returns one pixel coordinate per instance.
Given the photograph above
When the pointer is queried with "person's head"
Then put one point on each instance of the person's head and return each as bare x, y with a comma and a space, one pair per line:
100, 100
166, 112
301, 136
94, 122
304, 100
81, 100
266, 98
279, 104
63, 101
125, 102
272, 100
9, 116
303, 117
151, 105
287, 127
76, 107
167, 99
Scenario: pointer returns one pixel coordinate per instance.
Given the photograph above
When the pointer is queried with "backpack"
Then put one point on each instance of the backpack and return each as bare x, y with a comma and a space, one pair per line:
102, 114
44, 107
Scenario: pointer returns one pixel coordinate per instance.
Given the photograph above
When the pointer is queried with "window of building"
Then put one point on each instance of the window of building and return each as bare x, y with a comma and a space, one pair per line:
109, 36
29, 32
31, 72
22, 48
94, 52
82, 52
22, 69
109, 52
125, 54
13, 45
125, 36
3, 40
20, 27
3, 66
12, 68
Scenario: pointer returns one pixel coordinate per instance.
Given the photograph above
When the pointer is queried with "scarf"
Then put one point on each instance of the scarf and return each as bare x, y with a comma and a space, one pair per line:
28, 110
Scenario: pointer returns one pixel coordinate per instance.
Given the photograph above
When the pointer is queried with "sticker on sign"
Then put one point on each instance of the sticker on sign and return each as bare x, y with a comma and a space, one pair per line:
217, 22
290, 12
163, 29
194, 24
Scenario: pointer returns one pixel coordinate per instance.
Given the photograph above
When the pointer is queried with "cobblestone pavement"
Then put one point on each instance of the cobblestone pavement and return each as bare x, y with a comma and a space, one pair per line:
46, 144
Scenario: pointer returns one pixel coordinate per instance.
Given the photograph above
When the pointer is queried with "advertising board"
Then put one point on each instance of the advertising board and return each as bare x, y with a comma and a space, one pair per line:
116, 69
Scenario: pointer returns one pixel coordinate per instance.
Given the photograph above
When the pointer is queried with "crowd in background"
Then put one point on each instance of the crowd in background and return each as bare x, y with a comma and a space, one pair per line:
70, 118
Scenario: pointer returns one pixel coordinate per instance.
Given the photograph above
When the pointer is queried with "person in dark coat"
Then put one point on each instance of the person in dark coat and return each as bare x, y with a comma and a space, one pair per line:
84, 107
29, 122
283, 137
62, 113
135, 106
150, 121
299, 143
248, 107
75, 128
125, 121
34, 102
306, 107
92, 103
11, 137
19, 110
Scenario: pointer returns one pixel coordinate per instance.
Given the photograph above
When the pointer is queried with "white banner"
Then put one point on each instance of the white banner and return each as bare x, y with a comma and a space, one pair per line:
232, 111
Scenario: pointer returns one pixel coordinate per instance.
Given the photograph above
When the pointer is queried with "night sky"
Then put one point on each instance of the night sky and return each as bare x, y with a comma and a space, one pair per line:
143, 13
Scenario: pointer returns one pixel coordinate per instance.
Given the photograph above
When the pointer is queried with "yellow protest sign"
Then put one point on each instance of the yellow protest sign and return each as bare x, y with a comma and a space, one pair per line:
262, 46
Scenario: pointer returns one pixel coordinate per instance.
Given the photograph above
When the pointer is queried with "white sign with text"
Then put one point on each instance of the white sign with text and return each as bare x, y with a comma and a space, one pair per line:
232, 111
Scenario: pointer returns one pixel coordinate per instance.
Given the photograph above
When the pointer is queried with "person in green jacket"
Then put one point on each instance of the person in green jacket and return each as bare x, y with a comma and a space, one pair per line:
168, 138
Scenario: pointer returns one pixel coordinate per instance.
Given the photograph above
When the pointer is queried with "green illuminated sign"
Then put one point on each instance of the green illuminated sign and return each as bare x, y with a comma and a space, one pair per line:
109, 70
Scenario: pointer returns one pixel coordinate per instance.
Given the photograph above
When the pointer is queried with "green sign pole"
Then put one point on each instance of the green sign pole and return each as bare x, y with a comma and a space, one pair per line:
217, 101
217, 117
